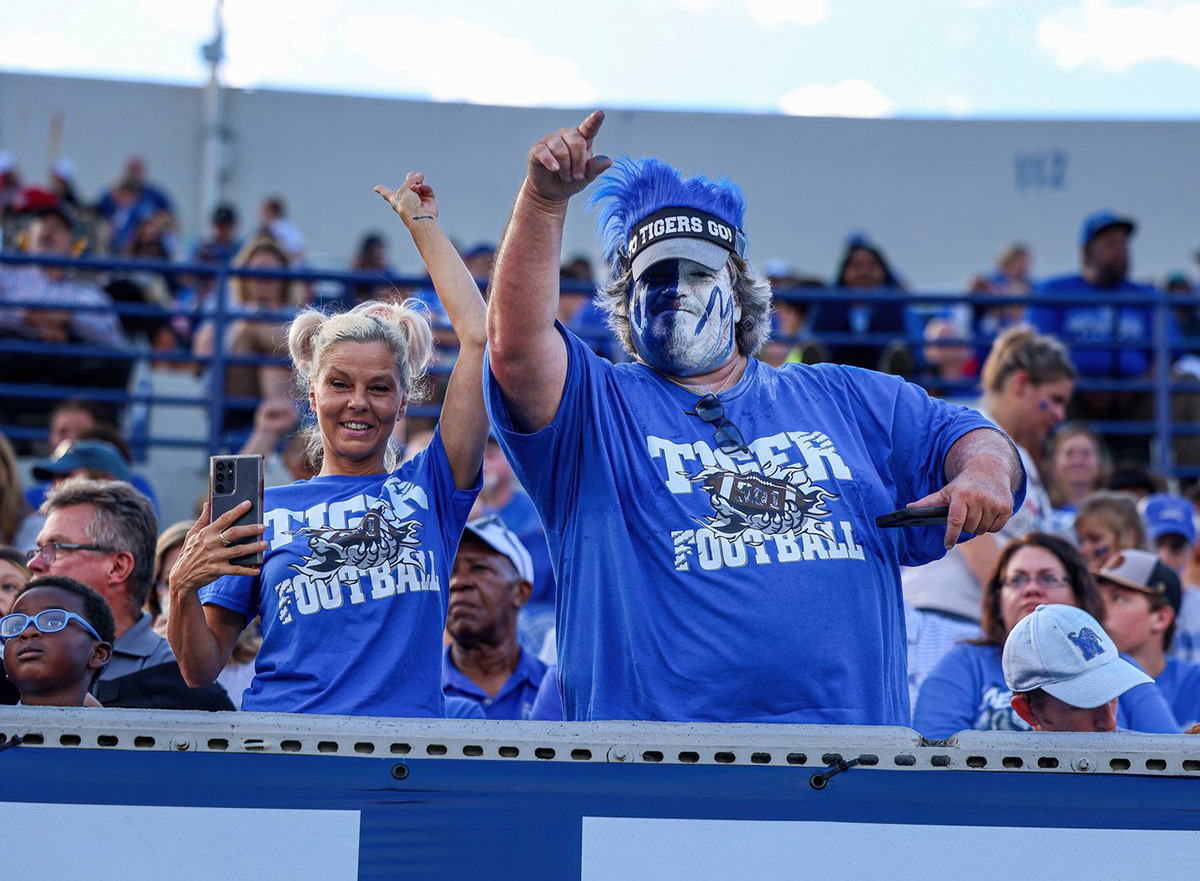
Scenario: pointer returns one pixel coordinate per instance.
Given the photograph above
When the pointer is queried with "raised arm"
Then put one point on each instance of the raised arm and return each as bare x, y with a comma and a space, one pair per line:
202, 637
464, 420
528, 357
983, 477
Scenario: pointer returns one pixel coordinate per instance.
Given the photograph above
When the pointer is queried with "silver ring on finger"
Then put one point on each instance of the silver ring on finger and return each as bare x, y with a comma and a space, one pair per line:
225, 541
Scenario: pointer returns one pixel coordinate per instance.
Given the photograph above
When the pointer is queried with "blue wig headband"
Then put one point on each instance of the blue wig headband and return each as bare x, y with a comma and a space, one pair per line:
648, 211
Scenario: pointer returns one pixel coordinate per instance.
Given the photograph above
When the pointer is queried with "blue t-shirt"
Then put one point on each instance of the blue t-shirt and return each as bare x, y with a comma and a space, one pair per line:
353, 590
516, 696
1095, 321
1180, 684
967, 691
694, 585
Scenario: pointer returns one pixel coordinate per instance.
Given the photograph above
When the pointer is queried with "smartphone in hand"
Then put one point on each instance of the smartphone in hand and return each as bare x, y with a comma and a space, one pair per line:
935, 516
231, 481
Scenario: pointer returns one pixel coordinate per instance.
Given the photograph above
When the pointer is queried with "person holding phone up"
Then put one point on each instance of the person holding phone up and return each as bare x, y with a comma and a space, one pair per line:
354, 582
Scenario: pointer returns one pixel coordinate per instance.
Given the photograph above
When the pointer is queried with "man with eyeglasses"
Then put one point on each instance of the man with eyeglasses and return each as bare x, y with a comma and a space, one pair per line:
711, 519
102, 533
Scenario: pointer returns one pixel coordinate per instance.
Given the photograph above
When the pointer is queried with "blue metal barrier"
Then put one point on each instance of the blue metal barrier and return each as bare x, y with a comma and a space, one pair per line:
271, 796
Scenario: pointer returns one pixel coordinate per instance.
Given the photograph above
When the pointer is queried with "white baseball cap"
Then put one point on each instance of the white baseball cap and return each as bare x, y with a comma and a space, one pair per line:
1065, 652
494, 532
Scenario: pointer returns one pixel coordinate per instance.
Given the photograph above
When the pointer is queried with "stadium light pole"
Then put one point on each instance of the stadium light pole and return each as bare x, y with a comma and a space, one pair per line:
213, 172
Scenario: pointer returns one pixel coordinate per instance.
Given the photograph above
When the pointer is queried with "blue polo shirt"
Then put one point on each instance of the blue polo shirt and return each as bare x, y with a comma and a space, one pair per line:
548, 706
463, 708
515, 698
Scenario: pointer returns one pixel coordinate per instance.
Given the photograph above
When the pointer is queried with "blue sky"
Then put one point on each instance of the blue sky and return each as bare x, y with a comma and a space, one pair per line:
919, 58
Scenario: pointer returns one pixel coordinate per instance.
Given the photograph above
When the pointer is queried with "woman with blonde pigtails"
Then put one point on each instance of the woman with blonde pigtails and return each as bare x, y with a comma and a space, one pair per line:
354, 582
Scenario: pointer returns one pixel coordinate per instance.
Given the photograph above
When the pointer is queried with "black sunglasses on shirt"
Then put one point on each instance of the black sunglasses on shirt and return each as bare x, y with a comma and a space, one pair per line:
727, 435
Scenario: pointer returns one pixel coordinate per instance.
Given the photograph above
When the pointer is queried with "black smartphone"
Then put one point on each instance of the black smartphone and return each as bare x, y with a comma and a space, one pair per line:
935, 516
231, 481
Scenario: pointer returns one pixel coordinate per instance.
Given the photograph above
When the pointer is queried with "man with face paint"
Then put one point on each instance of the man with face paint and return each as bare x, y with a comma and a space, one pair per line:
710, 518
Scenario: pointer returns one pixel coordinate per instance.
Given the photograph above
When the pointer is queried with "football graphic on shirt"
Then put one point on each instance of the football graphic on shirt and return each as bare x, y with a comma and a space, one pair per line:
380, 539
786, 502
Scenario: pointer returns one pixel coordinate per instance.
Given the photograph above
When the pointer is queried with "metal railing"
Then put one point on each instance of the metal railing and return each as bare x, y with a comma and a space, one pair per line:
334, 290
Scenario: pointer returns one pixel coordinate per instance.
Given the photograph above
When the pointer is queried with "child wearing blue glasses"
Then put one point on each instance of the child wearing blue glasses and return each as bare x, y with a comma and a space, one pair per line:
57, 639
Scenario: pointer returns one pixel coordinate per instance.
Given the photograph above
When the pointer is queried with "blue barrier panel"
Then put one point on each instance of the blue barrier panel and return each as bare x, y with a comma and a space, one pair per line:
298, 797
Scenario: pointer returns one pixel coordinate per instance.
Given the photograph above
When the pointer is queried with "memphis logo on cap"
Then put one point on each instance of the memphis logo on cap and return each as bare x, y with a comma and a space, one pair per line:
1087, 642
691, 223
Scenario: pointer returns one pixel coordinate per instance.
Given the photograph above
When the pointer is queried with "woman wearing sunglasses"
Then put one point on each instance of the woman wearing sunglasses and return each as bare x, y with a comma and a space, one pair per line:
353, 588
967, 689
57, 639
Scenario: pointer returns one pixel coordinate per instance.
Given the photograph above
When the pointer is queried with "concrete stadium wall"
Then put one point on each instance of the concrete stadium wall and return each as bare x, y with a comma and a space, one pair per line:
941, 196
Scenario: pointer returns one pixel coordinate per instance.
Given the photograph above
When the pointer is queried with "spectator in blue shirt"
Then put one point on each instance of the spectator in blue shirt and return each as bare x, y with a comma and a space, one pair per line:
863, 267
491, 580
1142, 597
1105, 307
131, 203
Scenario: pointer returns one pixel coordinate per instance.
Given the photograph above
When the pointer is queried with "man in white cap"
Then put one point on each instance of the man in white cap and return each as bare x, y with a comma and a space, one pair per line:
491, 580
1065, 672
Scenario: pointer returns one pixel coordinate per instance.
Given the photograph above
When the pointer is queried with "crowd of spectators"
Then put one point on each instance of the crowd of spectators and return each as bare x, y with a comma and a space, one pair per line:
1097, 546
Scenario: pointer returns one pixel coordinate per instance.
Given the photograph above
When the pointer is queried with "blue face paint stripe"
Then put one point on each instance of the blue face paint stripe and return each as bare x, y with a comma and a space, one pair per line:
712, 301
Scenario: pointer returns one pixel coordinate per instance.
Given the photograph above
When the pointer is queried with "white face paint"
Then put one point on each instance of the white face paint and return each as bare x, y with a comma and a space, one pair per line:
683, 317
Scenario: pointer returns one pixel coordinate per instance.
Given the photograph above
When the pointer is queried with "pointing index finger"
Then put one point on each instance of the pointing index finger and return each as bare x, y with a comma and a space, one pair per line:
590, 127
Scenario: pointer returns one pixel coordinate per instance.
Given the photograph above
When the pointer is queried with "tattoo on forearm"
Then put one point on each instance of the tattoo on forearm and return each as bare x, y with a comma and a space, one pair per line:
425, 217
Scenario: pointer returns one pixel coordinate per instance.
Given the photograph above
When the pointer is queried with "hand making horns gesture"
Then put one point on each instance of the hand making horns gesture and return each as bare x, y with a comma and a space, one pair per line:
413, 200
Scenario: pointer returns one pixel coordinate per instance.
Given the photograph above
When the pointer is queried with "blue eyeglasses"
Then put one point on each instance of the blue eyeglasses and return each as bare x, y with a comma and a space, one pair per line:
46, 621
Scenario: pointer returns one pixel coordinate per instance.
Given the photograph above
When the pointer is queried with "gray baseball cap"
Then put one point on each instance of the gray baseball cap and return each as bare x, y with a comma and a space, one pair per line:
494, 532
1065, 652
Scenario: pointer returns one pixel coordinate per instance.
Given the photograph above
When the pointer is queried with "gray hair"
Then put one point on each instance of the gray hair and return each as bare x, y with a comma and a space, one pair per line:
405, 329
125, 520
753, 296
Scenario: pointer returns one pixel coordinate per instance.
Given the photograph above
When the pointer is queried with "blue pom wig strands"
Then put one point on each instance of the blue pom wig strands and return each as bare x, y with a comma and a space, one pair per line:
633, 189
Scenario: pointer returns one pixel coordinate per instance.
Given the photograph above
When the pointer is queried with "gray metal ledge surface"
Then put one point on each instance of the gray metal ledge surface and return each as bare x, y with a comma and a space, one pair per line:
810, 746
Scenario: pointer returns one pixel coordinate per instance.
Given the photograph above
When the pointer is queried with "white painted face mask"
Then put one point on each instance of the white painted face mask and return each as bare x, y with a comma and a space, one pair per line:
683, 317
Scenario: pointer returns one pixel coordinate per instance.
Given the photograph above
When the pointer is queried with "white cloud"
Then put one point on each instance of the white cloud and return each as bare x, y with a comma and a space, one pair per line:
178, 16
460, 60
960, 34
768, 13
796, 12
848, 98
274, 41
1114, 38
951, 103
43, 52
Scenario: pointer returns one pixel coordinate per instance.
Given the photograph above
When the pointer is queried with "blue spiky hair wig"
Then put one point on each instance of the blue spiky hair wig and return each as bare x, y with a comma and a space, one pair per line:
634, 189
